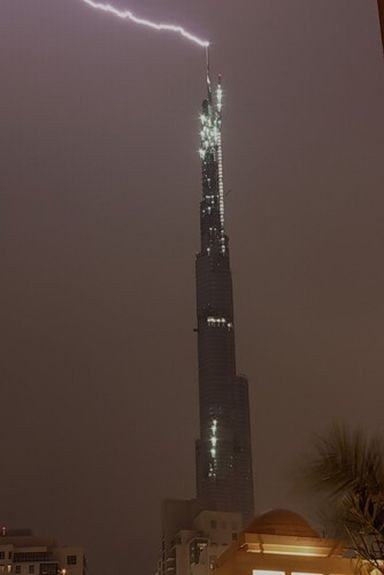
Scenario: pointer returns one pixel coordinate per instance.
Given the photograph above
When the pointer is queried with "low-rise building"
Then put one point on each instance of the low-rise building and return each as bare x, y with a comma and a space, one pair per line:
22, 553
194, 538
281, 542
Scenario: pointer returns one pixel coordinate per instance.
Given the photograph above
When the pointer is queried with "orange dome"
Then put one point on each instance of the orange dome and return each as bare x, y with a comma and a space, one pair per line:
281, 522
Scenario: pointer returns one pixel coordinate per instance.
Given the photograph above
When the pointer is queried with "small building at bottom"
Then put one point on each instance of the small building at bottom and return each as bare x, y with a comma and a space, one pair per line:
23, 553
281, 542
194, 538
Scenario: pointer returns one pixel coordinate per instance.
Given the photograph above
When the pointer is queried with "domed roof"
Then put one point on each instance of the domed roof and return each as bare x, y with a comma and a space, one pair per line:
281, 522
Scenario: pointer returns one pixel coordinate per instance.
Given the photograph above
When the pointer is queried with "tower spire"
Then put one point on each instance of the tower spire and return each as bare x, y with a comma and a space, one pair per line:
209, 83
213, 232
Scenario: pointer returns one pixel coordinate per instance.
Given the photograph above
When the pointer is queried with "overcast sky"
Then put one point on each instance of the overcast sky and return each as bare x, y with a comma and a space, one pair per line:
99, 204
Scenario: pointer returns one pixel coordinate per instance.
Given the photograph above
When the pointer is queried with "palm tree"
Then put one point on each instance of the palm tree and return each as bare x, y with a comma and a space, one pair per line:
348, 467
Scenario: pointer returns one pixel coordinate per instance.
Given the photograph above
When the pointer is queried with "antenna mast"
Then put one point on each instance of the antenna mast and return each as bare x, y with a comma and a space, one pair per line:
208, 65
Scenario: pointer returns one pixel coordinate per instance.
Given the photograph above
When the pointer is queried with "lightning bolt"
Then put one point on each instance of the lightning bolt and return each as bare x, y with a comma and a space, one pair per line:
128, 15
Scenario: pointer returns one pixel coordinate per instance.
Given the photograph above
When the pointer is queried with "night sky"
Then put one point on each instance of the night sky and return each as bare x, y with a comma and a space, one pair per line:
99, 205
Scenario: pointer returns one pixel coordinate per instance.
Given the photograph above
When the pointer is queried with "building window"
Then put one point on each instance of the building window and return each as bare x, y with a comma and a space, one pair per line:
31, 556
9, 554
49, 568
2, 555
18, 569
31, 568
213, 524
71, 559
234, 536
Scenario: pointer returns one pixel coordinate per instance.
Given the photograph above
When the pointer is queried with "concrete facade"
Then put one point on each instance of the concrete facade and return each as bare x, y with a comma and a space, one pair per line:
194, 539
22, 553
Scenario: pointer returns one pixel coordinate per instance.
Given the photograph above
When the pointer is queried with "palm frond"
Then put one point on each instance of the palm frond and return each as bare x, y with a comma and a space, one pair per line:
345, 461
348, 468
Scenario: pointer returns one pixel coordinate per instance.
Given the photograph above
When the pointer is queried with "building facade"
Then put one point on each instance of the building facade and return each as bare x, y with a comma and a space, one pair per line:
194, 539
281, 542
223, 450
22, 553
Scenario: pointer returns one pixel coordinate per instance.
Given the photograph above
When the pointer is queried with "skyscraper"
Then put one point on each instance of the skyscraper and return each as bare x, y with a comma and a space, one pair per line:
223, 451
197, 531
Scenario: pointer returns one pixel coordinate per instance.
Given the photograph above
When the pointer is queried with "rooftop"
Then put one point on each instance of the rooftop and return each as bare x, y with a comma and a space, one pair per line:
281, 522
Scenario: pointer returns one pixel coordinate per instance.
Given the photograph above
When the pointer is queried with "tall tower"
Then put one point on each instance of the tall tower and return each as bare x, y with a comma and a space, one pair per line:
191, 540
223, 451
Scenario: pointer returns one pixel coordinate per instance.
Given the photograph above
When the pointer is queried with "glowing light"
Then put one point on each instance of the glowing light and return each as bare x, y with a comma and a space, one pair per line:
219, 96
128, 15
287, 549
219, 100
213, 440
216, 321
211, 149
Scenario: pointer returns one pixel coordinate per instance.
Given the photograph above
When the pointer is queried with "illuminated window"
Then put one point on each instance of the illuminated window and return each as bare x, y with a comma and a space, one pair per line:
48, 568
216, 321
262, 572
212, 562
